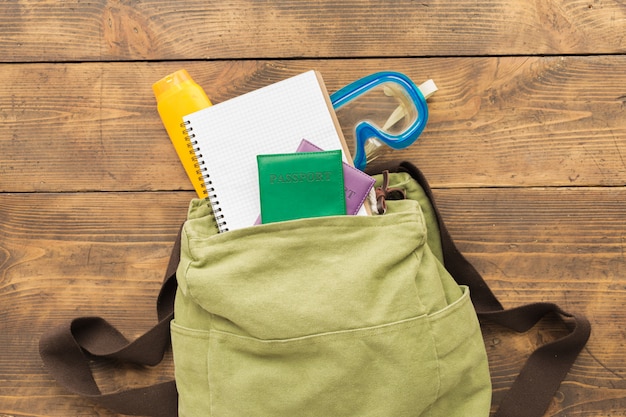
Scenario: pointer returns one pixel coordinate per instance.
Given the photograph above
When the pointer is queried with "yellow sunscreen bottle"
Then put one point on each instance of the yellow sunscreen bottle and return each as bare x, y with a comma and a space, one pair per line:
177, 96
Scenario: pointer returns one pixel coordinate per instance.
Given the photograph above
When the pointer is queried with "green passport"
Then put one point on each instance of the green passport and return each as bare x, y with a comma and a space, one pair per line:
299, 185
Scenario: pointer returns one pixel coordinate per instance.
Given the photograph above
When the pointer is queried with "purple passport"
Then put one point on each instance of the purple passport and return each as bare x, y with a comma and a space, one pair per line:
356, 183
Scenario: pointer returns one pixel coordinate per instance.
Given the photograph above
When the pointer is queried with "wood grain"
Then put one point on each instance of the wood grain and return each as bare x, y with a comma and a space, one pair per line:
71, 255
81, 254
99, 30
519, 121
525, 146
563, 245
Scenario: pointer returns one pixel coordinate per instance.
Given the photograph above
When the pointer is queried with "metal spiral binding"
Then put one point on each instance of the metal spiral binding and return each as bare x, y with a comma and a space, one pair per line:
204, 176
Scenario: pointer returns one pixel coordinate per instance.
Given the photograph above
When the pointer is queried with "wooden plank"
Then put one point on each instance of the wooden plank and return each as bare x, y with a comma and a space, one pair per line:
34, 31
70, 255
78, 254
554, 245
517, 121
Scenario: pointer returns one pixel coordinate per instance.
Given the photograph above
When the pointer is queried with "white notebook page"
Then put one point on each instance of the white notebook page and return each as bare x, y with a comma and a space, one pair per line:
270, 120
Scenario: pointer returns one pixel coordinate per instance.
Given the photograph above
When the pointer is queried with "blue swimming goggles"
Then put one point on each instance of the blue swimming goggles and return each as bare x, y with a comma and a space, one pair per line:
384, 108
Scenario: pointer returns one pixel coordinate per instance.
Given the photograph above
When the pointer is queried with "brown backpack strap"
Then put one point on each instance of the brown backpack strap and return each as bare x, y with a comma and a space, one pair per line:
547, 366
67, 350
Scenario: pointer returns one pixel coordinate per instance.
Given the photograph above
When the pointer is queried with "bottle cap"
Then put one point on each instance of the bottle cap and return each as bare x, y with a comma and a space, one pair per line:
171, 83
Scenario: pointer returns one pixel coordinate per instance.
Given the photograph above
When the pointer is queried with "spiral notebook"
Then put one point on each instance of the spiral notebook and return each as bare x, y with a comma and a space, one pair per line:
273, 119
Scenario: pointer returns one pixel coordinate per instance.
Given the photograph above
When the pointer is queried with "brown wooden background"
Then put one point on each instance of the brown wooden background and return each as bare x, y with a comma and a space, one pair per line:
525, 147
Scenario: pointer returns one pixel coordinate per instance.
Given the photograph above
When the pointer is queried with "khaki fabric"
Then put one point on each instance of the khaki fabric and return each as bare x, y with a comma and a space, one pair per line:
334, 316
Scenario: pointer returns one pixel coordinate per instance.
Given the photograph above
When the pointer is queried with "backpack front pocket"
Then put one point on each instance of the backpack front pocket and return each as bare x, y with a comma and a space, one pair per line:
366, 372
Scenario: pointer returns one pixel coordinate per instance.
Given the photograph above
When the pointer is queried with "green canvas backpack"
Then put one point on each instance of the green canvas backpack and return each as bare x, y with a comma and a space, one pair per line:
336, 316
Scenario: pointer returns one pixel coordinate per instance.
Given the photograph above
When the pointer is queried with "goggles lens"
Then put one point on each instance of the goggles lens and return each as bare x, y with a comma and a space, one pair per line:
382, 113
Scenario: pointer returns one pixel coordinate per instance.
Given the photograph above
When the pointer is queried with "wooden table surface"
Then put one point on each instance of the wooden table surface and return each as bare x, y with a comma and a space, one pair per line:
525, 148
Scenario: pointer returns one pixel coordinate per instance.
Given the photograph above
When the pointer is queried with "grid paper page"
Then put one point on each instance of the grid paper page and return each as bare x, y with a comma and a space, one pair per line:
273, 119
